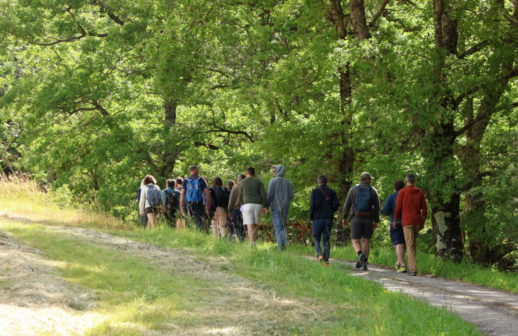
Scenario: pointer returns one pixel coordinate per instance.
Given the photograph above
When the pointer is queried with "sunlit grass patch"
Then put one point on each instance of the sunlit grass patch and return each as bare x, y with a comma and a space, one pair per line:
132, 294
21, 196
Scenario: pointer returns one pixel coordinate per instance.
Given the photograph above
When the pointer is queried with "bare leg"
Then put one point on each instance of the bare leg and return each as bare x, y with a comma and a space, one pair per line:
400, 251
151, 221
252, 232
366, 247
215, 227
357, 245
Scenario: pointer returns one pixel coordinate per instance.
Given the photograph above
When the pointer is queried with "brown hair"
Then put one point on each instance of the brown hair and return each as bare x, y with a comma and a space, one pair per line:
149, 179
218, 182
399, 184
241, 176
171, 183
230, 184
193, 168
250, 170
179, 181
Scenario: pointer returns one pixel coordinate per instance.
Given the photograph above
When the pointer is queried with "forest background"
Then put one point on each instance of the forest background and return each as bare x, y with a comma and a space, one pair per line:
96, 94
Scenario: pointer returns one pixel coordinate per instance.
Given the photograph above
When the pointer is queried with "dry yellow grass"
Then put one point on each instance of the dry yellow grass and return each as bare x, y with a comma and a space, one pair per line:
20, 196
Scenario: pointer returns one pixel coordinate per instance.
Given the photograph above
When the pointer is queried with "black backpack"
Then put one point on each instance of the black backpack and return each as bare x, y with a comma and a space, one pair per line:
223, 196
171, 203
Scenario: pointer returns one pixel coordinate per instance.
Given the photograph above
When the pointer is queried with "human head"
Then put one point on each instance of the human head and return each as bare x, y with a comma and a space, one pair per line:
240, 177
410, 179
322, 179
398, 185
149, 179
230, 184
250, 171
193, 170
218, 182
179, 181
171, 183
366, 177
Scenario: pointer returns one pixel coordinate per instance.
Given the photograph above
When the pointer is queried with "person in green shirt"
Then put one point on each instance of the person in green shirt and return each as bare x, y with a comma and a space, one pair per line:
255, 202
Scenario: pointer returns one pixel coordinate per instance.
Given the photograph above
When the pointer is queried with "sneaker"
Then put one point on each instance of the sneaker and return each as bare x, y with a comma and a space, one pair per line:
398, 266
412, 273
361, 260
365, 266
402, 269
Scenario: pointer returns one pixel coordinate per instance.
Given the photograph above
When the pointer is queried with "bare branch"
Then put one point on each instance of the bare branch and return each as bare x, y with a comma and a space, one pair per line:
378, 14
474, 49
461, 97
471, 124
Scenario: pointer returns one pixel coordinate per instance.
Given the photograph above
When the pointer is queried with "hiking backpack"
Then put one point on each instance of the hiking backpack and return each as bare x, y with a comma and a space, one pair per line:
171, 203
363, 202
154, 197
213, 202
193, 192
222, 196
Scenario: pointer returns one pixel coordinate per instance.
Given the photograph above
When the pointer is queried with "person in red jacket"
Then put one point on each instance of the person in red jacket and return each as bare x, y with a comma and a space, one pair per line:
411, 207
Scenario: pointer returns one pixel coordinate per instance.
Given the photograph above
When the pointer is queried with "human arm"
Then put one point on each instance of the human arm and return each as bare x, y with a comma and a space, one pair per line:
207, 197
387, 207
336, 202
182, 200
312, 206
271, 192
164, 196
291, 193
347, 206
399, 205
376, 204
142, 201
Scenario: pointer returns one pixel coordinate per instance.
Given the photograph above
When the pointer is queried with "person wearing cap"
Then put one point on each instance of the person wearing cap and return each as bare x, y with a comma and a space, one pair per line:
362, 207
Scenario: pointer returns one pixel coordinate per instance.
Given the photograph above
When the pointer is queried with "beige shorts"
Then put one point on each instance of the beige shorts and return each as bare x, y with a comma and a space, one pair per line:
252, 213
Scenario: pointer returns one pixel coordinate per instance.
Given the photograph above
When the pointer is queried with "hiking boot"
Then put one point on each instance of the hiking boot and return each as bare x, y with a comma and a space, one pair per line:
365, 266
398, 266
402, 269
361, 260
326, 263
412, 273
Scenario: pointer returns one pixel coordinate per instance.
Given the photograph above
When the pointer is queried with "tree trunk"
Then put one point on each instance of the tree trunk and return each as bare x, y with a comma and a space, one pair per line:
169, 156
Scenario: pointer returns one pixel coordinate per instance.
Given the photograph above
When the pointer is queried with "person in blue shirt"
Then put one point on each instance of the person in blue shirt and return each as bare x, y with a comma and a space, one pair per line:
396, 235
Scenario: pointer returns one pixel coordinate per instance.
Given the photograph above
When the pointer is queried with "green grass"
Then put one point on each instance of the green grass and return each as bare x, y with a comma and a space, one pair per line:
136, 296
132, 294
366, 307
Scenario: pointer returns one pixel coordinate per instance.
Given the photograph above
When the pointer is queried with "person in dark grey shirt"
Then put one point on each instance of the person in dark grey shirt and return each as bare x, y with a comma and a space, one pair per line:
365, 221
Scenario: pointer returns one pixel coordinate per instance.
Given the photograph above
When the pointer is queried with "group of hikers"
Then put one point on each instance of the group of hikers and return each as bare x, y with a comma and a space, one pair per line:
237, 208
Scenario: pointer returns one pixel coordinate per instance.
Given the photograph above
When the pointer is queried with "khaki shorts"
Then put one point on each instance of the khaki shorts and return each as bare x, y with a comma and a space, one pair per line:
252, 213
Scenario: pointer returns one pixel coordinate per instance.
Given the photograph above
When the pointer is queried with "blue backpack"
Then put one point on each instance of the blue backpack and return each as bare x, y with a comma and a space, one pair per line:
193, 192
363, 200
154, 197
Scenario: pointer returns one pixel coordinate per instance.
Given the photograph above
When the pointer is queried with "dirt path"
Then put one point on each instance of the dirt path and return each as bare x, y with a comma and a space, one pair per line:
493, 312
256, 310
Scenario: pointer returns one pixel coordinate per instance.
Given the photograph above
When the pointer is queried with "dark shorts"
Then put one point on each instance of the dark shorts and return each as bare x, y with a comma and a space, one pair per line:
153, 210
362, 228
397, 236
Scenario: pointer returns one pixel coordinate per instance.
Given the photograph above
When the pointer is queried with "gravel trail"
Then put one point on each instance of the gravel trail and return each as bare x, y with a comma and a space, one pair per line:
493, 312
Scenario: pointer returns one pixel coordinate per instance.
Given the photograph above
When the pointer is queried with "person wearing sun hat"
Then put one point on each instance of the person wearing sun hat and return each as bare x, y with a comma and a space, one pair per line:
362, 207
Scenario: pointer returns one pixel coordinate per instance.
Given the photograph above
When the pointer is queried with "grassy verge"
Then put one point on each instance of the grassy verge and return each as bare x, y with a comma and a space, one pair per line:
136, 296
365, 306
132, 294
